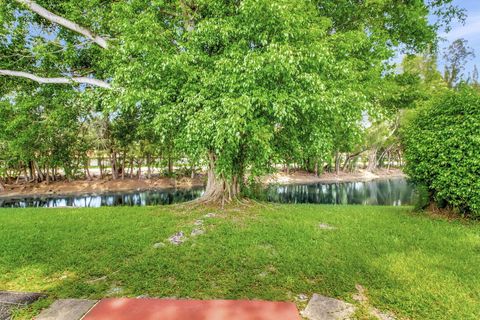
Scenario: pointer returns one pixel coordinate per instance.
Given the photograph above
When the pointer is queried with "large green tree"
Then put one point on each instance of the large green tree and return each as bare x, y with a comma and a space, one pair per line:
228, 79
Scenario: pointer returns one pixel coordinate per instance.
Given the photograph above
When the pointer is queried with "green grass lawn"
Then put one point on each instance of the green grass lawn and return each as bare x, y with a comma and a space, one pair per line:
416, 266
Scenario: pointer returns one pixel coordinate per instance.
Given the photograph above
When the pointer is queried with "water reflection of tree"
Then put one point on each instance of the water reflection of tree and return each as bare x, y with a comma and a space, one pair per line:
378, 192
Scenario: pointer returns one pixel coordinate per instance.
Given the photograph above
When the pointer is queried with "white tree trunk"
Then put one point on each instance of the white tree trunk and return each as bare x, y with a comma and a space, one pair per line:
62, 80
52, 17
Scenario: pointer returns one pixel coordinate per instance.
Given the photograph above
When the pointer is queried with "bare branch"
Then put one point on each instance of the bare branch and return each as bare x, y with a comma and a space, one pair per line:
63, 80
50, 16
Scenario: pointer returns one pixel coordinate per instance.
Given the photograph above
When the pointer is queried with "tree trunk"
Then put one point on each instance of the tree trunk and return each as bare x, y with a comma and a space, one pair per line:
2, 186
113, 163
316, 168
170, 166
337, 162
31, 171
149, 166
39, 174
139, 172
123, 164
372, 159
218, 188
47, 171
87, 170
132, 167
100, 166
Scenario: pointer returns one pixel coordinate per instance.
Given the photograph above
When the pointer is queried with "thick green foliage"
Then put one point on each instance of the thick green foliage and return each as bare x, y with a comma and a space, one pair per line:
442, 148
250, 82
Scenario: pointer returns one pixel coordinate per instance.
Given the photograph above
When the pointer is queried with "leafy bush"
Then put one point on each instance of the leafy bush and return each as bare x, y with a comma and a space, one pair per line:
422, 197
442, 149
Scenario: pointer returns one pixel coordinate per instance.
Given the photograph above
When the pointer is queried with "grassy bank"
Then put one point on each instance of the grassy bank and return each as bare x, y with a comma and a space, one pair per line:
415, 266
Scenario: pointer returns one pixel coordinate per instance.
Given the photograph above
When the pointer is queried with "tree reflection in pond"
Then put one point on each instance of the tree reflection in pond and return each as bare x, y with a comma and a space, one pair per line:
393, 192
378, 192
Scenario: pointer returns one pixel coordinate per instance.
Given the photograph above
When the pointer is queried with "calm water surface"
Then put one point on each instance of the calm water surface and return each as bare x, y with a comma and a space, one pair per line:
390, 192
378, 192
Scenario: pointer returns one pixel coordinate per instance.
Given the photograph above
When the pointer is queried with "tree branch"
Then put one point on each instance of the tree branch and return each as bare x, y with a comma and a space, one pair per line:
63, 80
50, 16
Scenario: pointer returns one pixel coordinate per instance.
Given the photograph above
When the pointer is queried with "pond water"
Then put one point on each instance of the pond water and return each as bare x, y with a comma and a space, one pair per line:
390, 192
378, 192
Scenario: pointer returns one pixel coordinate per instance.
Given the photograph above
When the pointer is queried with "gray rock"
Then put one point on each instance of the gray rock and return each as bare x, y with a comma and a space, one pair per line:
198, 222
382, 315
67, 309
197, 232
325, 308
210, 215
159, 245
177, 238
302, 297
13, 300
325, 226
115, 291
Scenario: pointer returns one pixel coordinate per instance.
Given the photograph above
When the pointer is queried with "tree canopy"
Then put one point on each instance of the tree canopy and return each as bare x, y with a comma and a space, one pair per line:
240, 83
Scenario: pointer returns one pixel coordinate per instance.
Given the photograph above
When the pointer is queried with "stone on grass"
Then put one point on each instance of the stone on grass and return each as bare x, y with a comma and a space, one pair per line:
13, 300
325, 308
115, 291
177, 238
197, 232
210, 215
362, 298
382, 315
67, 309
198, 222
103, 278
325, 226
159, 245
302, 297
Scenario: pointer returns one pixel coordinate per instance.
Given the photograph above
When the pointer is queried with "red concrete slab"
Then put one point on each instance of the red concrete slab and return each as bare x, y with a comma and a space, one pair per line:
160, 309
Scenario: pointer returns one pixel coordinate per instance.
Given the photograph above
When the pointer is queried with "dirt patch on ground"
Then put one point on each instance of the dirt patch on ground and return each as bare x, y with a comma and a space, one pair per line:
96, 186
298, 177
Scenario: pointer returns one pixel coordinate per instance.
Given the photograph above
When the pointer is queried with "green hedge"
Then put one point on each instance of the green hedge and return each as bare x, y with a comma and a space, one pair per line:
442, 149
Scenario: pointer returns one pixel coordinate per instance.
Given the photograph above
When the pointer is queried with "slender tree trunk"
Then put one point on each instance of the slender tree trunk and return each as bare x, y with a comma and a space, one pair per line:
132, 165
113, 163
31, 171
47, 172
100, 166
316, 168
149, 168
337, 162
39, 174
87, 169
123, 164
139, 172
372, 159
170, 166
